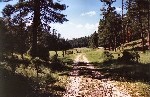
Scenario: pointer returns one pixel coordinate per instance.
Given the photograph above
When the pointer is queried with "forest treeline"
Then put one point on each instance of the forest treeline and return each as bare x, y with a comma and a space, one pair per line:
25, 28
116, 28
38, 38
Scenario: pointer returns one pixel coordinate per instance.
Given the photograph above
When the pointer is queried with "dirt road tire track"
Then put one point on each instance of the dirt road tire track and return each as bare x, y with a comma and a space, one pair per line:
80, 86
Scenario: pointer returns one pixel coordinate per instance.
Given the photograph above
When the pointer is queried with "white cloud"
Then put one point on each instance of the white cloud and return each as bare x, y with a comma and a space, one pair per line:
90, 13
89, 26
71, 23
74, 30
118, 9
79, 26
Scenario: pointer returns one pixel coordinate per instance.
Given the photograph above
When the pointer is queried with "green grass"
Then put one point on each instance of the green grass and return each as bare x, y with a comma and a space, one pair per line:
56, 81
60, 54
138, 88
115, 54
83, 50
67, 58
94, 55
52, 53
129, 77
145, 57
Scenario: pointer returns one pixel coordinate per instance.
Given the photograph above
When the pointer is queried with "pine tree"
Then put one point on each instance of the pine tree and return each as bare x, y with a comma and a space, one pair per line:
94, 40
41, 13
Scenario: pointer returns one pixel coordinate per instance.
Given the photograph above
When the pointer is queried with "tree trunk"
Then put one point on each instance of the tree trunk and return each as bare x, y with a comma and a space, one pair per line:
123, 34
22, 56
109, 47
63, 53
109, 44
36, 27
56, 53
37, 68
140, 30
115, 45
12, 54
21, 26
148, 26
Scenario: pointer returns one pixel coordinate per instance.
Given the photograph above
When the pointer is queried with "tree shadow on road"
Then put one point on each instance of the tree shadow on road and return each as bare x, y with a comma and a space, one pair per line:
115, 70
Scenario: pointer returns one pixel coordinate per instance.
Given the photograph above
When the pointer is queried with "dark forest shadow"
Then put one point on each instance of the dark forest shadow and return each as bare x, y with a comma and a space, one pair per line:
127, 72
19, 86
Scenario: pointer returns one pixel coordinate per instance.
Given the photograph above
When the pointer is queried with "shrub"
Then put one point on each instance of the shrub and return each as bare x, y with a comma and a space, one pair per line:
130, 56
42, 52
54, 59
56, 63
107, 57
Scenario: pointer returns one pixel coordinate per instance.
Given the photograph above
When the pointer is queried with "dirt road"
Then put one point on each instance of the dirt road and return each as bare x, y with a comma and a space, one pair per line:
83, 82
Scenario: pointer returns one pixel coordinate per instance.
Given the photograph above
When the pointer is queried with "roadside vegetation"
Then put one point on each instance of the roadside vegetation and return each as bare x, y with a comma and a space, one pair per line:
95, 55
36, 77
128, 75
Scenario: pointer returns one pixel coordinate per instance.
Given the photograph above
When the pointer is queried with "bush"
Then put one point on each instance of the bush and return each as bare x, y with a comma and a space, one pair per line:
108, 57
42, 52
54, 59
130, 56
56, 63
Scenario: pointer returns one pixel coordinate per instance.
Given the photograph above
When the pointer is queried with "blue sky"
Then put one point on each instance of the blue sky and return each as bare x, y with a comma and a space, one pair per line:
83, 16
